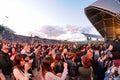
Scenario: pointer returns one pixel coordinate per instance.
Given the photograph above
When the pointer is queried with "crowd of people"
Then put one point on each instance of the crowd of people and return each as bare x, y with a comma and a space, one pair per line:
23, 61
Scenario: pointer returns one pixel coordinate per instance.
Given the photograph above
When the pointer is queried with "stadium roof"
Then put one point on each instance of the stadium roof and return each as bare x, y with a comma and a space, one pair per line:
105, 17
92, 35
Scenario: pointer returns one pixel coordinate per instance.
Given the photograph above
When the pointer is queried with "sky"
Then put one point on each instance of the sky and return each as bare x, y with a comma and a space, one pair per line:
53, 19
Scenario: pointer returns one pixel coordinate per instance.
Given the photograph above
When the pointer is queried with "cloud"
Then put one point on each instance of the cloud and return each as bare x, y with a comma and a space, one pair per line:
71, 37
52, 31
79, 29
36, 33
85, 29
72, 28
69, 32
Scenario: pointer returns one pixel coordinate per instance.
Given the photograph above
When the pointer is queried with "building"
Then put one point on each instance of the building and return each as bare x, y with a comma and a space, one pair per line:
105, 17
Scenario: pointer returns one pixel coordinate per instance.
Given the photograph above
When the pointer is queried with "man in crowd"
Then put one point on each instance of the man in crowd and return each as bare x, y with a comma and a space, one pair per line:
6, 62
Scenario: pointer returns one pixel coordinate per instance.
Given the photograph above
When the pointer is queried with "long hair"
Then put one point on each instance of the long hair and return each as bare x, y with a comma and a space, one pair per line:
17, 59
46, 65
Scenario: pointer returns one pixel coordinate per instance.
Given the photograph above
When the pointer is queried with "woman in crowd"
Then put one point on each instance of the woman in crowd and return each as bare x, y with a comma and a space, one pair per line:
72, 66
58, 67
21, 68
13, 51
86, 71
47, 70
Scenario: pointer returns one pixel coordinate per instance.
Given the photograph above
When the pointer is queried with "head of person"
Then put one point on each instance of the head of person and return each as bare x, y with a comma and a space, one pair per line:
58, 57
5, 49
19, 61
110, 47
46, 64
13, 49
72, 55
90, 53
64, 51
86, 61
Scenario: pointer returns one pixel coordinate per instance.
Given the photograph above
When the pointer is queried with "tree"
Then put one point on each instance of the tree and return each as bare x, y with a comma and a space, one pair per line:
2, 28
9, 30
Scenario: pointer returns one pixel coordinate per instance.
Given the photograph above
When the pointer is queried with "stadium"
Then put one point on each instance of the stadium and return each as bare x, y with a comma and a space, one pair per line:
105, 17
35, 58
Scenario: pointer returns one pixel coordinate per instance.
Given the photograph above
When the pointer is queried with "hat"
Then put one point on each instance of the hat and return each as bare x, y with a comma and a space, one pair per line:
5, 47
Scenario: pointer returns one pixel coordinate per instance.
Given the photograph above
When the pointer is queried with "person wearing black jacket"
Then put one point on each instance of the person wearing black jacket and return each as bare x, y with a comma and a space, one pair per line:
6, 62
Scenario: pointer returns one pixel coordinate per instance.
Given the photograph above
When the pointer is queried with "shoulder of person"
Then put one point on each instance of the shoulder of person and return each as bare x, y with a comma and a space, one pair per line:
49, 74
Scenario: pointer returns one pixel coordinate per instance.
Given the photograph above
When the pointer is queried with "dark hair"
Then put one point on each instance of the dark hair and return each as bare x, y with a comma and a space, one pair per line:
11, 49
46, 64
58, 57
1, 44
17, 59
